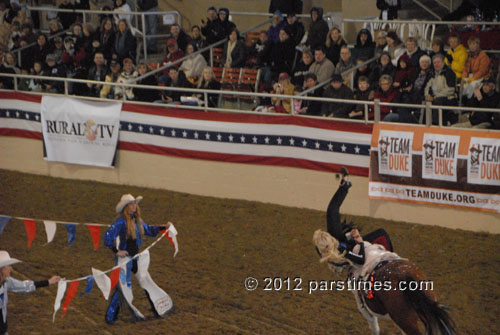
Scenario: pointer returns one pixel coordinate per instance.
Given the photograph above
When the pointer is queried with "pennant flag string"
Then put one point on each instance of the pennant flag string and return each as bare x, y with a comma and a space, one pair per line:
57, 221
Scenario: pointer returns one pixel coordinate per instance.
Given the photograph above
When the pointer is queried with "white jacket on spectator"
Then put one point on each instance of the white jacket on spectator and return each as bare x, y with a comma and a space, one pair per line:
124, 78
396, 53
193, 66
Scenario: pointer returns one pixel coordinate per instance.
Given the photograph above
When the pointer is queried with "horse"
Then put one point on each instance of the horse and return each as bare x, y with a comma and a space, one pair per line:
396, 298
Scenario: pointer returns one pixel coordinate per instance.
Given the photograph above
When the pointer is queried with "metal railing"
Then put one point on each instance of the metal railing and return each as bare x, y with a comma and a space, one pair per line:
374, 105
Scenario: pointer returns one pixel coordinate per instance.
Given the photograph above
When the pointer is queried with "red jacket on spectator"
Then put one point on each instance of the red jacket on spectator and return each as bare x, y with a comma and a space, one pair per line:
404, 73
173, 53
387, 96
74, 59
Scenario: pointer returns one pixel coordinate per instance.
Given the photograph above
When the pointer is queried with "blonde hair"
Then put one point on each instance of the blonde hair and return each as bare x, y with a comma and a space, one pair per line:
327, 245
131, 222
201, 81
329, 40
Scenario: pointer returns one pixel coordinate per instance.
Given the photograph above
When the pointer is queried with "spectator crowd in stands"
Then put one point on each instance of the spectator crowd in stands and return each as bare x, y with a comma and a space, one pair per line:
291, 58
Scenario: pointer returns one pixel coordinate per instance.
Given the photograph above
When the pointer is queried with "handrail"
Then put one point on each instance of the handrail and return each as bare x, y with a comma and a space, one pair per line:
376, 104
427, 9
485, 23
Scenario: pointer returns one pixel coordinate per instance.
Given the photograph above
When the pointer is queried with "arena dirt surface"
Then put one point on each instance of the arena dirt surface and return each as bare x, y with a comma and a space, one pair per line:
221, 243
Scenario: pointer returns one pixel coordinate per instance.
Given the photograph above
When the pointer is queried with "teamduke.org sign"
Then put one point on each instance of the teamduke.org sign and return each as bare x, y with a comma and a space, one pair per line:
79, 131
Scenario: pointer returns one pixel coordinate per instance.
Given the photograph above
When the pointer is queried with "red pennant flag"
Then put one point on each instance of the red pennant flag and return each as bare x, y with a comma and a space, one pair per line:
95, 232
115, 276
70, 294
30, 227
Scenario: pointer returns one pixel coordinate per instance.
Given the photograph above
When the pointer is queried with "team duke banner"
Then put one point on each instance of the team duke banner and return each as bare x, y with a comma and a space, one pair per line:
440, 166
80, 131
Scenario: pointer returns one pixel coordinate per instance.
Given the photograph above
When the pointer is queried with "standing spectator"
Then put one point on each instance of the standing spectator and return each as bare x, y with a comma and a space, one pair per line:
476, 68
286, 6
234, 51
385, 93
334, 42
66, 19
311, 107
144, 94
316, 36
194, 64
125, 43
363, 93
180, 36
81, 5
52, 69
380, 43
458, 55
364, 48
294, 28
175, 78
98, 72
285, 87
173, 53
381, 67
404, 71
394, 47
150, 7
273, 33
484, 97
207, 81
209, 28
322, 67
388, 9
337, 90
106, 35
198, 40
302, 69
223, 26
283, 54
121, 8
414, 51
440, 90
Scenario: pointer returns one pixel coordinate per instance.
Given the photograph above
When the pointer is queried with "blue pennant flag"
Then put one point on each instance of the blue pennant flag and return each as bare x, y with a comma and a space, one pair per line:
90, 285
3, 222
71, 229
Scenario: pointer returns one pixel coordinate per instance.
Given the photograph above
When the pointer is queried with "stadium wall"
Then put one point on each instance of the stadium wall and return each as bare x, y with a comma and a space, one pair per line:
279, 185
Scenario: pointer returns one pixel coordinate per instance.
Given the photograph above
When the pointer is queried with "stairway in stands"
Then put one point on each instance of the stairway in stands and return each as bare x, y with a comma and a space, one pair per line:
411, 9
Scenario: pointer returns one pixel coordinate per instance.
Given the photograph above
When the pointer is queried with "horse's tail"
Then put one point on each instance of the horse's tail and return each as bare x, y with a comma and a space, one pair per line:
434, 315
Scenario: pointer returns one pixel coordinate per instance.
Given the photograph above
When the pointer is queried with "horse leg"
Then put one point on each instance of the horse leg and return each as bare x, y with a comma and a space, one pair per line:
403, 315
372, 319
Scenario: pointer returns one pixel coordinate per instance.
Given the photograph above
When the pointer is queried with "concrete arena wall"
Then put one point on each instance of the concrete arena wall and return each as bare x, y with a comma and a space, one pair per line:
280, 185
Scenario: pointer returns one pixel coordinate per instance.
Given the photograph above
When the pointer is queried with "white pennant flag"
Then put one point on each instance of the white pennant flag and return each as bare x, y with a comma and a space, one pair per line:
172, 235
103, 282
61, 289
50, 229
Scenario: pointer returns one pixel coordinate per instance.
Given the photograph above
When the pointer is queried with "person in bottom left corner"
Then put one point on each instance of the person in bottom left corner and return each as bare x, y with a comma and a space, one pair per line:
9, 284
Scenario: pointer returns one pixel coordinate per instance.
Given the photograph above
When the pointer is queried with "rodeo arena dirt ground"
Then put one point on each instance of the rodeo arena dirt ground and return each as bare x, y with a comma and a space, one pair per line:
222, 242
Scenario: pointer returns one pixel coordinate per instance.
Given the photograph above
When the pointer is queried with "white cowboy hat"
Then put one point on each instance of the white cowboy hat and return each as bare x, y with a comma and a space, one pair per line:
5, 259
125, 200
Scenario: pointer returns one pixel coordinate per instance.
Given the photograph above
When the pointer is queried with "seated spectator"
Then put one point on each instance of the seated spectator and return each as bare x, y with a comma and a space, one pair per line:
34, 84
382, 67
207, 81
224, 27
209, 28
87, 36
125, 43
79, 38
440, 90
302, 68
108, 91
458, 55
276, 25
15, 36
144, 94
98, 72
296, 102
27, 34
263, 49
37, 52
180, 36
363, 71
194, 64
316, 35
8, 66
437, 46
405, 114
311, 107
334, 42
121, 9
106, 35
495, 120
421, 79
394, 47
175, 78
58, 48
5, 33
385, 93
363, 93
285, 87
55, 27
485, 96
173, 54
199, 41
476, 68
345, 63
24, 83
364, 48
294, 28
414, 51
129, 73
404, 71
282, 54
72, 57
52, 69
93, 48
380, 43
388, 9
322, 67
66, 18
234, 51
337, 90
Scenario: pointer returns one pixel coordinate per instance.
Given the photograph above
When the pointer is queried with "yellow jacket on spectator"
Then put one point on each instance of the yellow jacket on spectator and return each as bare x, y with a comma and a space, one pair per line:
459, 58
